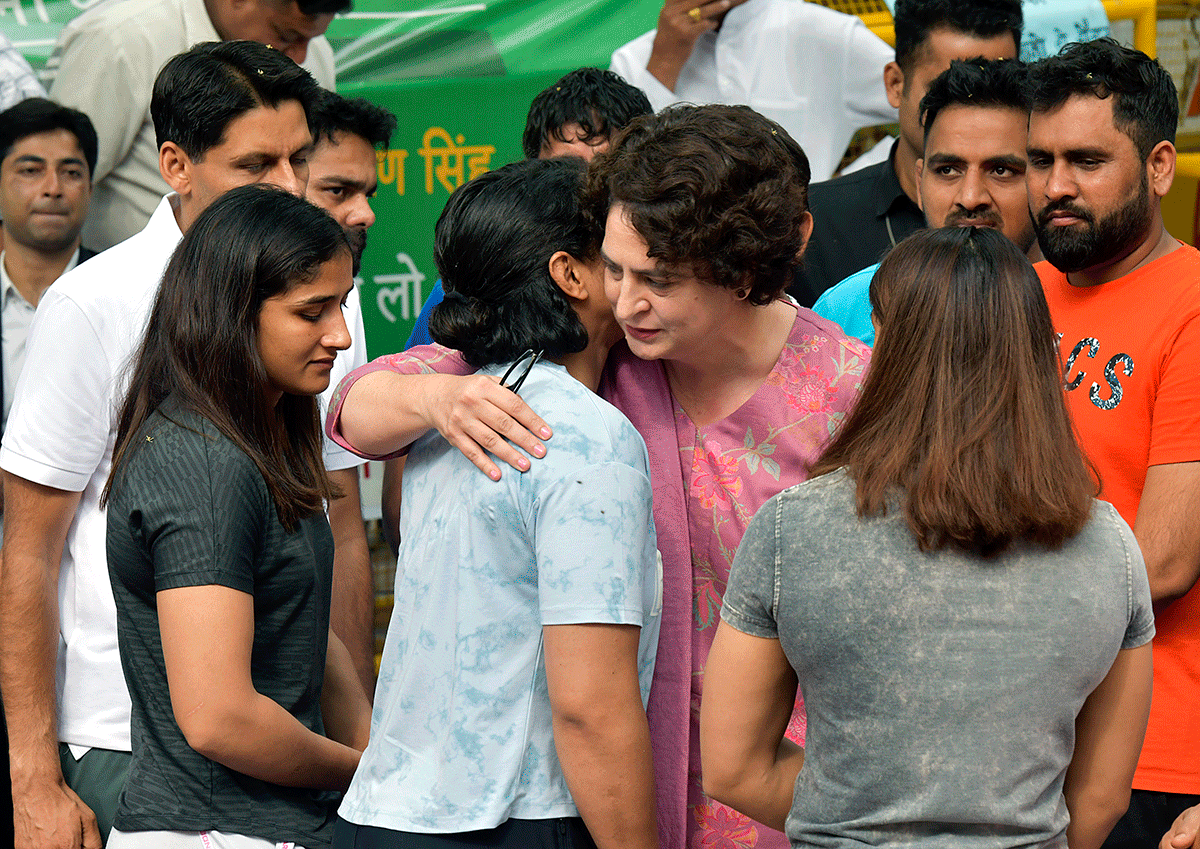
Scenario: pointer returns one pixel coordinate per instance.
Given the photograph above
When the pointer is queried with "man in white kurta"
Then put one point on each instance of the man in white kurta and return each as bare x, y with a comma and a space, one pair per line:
813, 70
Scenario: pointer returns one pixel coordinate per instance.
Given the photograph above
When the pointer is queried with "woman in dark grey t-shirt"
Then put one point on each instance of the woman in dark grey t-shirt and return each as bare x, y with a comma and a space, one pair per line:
969, 627
246, 711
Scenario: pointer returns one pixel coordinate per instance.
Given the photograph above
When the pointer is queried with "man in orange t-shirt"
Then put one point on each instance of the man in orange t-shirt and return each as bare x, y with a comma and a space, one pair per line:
1125, 298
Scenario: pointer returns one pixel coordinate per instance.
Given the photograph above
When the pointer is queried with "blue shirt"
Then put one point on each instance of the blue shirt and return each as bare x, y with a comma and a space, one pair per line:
848, 304
461, 735
420, 334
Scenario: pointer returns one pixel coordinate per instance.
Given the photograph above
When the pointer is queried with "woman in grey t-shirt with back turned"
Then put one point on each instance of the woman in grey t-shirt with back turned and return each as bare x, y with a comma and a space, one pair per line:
970, 628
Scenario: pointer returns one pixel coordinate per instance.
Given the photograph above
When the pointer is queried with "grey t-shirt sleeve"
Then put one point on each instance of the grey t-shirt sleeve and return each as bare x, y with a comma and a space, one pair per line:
1141, 609
749, 603
202, 512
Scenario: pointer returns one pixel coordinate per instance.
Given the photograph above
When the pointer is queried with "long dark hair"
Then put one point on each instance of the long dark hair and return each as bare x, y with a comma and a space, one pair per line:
962, 414
201, 343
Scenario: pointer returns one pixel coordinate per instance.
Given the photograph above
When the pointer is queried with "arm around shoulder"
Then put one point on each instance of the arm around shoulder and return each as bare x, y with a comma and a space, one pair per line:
379, 410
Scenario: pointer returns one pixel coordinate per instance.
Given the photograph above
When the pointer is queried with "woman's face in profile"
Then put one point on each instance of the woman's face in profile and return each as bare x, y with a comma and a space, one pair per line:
664, 311
301, 330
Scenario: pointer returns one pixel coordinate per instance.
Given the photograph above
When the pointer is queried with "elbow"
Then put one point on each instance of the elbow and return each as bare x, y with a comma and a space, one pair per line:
1098, 809
1171, 581
720, 785
208, 728
587, 718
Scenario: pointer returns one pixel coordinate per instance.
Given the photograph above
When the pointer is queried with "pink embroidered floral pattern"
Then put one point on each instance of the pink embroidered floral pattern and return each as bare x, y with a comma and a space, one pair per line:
721, 827
731, 468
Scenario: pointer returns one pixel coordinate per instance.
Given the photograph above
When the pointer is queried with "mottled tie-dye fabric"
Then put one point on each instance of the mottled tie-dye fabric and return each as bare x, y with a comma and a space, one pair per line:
461, 731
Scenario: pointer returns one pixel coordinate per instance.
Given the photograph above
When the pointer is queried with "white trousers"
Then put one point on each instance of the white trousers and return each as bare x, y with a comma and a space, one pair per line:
190, 840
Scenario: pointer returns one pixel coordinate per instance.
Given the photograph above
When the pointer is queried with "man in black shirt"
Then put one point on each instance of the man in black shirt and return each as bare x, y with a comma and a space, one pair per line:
856, 218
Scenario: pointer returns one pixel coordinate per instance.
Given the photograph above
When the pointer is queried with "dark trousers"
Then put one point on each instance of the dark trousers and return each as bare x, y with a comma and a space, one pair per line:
1149, 817
565, 833
6, 802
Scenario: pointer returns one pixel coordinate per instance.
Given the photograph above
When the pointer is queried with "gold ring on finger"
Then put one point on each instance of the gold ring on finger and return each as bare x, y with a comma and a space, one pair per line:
695, 14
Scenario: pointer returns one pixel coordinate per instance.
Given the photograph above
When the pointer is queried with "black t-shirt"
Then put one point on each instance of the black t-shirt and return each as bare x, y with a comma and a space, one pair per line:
191, 509
857, 218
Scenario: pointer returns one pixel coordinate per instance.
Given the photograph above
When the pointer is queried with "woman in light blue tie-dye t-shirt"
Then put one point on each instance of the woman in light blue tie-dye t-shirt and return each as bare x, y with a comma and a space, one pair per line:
521, 648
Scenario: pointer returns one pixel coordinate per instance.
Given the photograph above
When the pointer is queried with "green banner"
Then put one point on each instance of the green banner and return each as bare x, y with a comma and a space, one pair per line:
459, 78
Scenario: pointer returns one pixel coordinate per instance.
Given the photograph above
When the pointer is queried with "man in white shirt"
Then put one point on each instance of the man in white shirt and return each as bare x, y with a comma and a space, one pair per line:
47, 153
57, 613
813, 70
17, 80
106, 60
342, 180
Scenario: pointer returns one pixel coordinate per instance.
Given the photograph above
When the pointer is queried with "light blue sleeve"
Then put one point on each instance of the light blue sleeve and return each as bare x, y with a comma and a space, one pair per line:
848, 304
595, 546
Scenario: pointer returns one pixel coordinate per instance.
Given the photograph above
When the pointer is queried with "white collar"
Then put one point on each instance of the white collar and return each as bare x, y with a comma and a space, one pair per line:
9, 290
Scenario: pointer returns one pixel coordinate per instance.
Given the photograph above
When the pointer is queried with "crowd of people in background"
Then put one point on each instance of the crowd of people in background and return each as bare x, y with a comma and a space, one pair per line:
735, 503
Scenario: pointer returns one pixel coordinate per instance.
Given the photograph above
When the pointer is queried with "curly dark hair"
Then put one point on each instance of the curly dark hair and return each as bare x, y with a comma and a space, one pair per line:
335, 114
1145, 103
916, 19
977, 82
719, 188
600, 102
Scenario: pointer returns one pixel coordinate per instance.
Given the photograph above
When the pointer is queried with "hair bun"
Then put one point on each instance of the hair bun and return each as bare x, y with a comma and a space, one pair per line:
459, 319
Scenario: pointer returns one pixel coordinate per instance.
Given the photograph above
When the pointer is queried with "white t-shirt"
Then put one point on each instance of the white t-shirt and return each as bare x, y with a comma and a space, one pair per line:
337, 457
817, 72
60, 433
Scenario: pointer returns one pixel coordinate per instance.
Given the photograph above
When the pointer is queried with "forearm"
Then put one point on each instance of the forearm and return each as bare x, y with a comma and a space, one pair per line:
606, 760
255, 736
37, 523
762, 792
344, 704
385, 411
352, 607
667, 58
28, 655
1092, 819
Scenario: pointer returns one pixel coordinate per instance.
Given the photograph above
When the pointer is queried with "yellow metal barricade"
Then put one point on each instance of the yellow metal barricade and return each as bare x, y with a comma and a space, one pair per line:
1142, 12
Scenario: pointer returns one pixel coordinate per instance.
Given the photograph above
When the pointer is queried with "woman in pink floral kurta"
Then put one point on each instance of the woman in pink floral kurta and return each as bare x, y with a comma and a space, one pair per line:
734, 388
708, 483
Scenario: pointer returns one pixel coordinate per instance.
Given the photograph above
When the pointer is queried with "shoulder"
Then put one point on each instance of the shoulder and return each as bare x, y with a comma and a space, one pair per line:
587, 429
818, 334
1047, 273
849, 292
637, 50
814, 19
122, 21
320, 62
181, 451
830, 490
114, 280
846, 186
